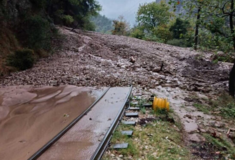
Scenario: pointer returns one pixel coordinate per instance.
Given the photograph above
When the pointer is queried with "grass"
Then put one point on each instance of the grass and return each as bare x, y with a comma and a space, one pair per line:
158, 139
222, 145
223, 105
143, 110
201, 107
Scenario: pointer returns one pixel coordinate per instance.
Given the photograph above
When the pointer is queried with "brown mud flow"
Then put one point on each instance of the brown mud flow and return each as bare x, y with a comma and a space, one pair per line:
30, 116
82, 140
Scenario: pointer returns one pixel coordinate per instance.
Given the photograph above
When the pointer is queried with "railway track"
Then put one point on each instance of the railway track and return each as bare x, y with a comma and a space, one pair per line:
88, 136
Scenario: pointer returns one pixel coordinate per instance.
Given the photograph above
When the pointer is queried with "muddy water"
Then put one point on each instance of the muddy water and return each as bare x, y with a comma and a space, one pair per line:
30, 117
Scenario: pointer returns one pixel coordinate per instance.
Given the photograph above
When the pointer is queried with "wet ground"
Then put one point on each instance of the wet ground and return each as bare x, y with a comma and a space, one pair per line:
180, 74
32, 116
82, 140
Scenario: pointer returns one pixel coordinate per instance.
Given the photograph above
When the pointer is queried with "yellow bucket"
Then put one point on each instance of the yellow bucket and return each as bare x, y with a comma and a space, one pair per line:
160, 103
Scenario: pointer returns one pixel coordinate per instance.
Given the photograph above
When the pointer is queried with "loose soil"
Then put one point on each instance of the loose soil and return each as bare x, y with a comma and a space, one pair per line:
182, 75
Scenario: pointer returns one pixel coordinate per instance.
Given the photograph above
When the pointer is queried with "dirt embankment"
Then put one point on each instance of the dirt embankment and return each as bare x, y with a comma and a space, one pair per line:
93, 59
89, 59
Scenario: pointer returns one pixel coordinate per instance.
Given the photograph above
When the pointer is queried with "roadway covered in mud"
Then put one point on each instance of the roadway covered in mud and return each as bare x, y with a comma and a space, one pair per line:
31, 116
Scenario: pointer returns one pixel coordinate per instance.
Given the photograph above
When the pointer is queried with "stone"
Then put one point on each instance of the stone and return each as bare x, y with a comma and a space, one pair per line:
120, 146
132, 60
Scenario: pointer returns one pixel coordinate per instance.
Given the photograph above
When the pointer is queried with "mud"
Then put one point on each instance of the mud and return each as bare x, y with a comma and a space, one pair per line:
81, 141
206, 150
204, 70
144, 121
31, 116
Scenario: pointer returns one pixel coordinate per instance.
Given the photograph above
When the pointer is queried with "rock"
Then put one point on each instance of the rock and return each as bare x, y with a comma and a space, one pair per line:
196, 138
54, 83
132, 60
219, 125
188, 116
156, 69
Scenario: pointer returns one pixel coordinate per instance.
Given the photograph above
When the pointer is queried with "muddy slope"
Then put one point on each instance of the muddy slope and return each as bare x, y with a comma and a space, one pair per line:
93, 59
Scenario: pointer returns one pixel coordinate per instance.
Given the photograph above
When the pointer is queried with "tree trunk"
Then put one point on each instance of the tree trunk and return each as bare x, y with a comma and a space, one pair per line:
197, 28
232, 81
232, 73
231, 22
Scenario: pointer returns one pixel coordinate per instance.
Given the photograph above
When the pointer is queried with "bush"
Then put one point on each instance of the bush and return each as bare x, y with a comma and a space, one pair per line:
163, 33
22, 59
179, 28
68, 19
137, 33
37, 33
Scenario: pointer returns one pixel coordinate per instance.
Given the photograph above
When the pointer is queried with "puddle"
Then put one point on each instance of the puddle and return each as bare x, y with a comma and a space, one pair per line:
30, 117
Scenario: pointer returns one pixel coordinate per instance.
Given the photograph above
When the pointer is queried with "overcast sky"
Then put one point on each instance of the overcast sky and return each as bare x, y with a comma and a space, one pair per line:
127, 8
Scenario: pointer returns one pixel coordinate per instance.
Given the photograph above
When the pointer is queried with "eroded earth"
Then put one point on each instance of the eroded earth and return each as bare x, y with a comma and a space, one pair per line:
179, 74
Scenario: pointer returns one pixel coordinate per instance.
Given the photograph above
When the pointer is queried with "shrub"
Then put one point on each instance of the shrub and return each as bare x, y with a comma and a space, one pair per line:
137, 33
68, 19
22, 59
179, 28
36, 33
163, 33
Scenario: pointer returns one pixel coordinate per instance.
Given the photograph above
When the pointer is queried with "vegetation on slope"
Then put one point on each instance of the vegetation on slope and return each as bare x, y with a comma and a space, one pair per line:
30, 25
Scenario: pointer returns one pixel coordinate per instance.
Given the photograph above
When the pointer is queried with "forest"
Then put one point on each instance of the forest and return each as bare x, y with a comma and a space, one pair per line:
28, 28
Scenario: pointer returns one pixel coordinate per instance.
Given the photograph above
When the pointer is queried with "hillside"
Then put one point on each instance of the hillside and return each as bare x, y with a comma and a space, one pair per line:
187, 78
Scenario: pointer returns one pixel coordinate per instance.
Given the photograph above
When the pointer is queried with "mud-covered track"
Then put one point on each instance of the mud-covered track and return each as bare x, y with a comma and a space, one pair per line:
103, 145
89, 137
61, 133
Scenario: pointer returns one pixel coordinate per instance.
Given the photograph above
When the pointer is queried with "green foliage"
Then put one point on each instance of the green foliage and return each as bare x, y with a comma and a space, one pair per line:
210, 41
179, 28
88, 25
68, 19
120, 27
225, 104
202, 108
36, 33
21, 59
137, 33
215, 26
228, 111
150, 15
162, 32
75, 13
221, 143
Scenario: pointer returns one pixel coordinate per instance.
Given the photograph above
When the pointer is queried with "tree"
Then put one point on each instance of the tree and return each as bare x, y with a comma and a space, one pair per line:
74, 13
120, 26
150, 15
179, 28
217, 16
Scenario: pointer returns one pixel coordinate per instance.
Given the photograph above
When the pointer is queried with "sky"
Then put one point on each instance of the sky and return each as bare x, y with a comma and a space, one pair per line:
127, 8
